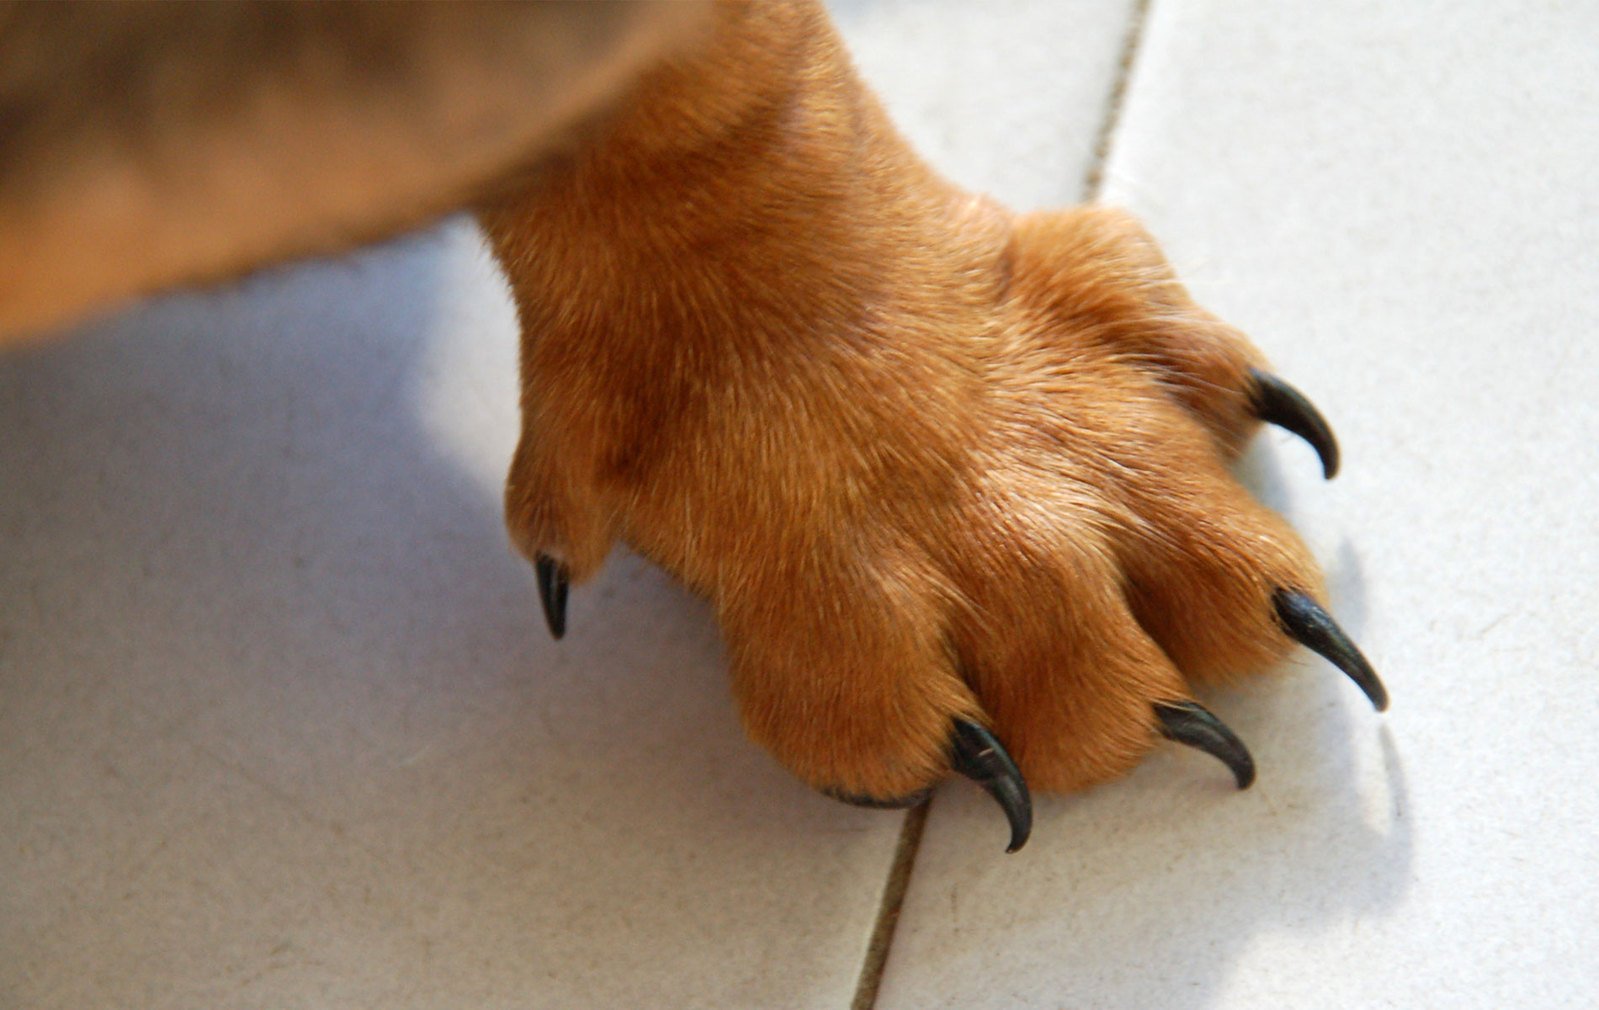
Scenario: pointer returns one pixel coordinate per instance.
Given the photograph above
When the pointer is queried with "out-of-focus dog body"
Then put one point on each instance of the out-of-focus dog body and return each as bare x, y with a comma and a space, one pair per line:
144, 146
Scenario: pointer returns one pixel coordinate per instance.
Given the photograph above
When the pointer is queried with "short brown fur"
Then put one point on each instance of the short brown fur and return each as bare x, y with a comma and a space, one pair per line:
928, 458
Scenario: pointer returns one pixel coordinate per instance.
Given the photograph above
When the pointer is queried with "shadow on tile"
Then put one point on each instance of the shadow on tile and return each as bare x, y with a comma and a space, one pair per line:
1147, 891
280, 714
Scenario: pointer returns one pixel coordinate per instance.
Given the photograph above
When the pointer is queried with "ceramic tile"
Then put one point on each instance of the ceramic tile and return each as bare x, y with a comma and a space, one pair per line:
1003, 97
1398, 203
279, 721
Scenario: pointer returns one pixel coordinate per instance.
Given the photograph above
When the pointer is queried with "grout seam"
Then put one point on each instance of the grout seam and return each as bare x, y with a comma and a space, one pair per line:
1116, 101
911, 829
899, 881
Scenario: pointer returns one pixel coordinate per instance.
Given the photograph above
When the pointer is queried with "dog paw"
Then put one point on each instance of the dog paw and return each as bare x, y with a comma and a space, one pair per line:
970, 515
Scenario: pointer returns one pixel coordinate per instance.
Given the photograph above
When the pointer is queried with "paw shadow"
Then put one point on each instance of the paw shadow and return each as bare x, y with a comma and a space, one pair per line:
251, 530
1296, 491
1147, 892
1150, 891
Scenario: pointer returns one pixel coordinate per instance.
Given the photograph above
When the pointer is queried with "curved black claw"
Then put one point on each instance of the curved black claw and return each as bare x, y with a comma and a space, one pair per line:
983, 759
1276, 402
915, 799
1191, 724
1312, 627
553, 584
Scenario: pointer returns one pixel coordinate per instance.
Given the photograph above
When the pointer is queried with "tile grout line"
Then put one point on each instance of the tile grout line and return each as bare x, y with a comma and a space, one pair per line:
894, 888
1116, 101
911, 829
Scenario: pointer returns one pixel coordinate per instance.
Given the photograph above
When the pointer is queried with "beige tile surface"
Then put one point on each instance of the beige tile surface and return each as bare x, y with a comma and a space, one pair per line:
1005, 96
1398, 201
279, 723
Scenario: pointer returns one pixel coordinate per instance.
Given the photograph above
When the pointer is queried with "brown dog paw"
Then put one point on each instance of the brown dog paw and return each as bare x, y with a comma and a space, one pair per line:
955, 480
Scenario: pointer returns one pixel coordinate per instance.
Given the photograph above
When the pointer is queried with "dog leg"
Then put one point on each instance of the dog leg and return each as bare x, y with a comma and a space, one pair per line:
942, 470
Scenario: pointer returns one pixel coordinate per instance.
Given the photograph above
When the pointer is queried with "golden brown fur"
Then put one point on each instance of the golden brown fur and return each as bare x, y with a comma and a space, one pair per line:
147, 145
928, 458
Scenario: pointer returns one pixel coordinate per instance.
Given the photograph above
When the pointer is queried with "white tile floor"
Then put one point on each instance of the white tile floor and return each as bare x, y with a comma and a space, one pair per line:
279, 726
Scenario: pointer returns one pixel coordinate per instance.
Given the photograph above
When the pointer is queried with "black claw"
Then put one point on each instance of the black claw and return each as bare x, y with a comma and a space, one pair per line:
1276, 402
983, 759
1190, 723
1312, 627
553, 583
